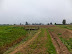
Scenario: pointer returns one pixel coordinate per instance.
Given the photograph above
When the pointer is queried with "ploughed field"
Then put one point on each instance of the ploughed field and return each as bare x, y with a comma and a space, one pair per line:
45, 39
64, 32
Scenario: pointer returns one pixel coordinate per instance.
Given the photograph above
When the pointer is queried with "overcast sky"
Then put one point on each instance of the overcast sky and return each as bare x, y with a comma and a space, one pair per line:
35, 11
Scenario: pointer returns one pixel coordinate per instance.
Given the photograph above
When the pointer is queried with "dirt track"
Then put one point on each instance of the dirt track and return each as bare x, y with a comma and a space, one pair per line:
60, 47
24, 44
69, 30
39, 45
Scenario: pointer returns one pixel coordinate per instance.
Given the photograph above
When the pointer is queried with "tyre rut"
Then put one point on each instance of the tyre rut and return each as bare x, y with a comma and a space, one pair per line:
60, 47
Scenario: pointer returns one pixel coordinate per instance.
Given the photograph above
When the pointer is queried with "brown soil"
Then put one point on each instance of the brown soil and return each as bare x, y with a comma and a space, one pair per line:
60, 47
69, 30
24, 44
67, 34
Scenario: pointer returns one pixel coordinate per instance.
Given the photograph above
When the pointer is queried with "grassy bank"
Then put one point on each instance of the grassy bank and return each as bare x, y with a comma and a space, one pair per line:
10, 35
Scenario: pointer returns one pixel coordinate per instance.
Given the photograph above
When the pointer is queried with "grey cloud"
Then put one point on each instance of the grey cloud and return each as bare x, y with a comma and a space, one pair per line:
44, 11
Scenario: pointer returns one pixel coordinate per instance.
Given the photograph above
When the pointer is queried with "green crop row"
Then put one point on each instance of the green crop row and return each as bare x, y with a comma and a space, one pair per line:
68, 43
49, 45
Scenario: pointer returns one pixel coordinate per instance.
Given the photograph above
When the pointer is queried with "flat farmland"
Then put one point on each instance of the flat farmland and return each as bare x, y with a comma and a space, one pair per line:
41, 43
44, 39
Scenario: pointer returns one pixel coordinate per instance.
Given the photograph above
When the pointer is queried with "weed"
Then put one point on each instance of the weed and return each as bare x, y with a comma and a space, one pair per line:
59, 34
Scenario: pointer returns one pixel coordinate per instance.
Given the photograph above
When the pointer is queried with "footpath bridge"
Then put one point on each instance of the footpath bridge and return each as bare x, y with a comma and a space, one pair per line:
31, 27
